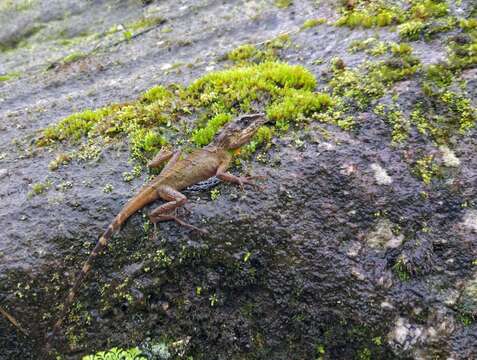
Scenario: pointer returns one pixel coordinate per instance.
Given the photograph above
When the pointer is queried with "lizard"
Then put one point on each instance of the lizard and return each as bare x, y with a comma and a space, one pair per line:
177, 174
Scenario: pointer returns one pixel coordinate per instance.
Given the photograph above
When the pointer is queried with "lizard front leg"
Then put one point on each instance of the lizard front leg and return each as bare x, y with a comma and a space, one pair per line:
223, 175
164, 212
163, 155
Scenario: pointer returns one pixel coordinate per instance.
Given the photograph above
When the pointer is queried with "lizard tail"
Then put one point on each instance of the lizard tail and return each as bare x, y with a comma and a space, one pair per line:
113, 228
138, 202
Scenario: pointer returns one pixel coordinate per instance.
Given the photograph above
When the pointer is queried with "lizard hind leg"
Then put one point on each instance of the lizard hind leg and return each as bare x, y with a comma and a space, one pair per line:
166, 211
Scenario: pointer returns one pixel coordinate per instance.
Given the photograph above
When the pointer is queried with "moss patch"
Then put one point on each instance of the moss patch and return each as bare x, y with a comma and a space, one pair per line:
421, 18
285, 92
311, 23
9, 76
283, 4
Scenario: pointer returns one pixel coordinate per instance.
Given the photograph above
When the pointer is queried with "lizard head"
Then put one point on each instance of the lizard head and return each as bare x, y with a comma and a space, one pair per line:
239, 131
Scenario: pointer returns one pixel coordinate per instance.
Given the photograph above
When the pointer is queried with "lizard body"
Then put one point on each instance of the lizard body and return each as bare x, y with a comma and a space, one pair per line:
177, 174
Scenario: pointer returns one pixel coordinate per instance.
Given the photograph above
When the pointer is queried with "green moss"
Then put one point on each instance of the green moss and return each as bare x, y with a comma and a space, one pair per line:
14, 6
39, 188
393, 70
426, 169
157, 94
311, 23
400, 126
74, 126
364, 354
297, 104
428, 9
282, 4
411, 30
238, 88
284, 91
444, 112
144, 142
355, 88
373, 13
468, 24
144, 23
9, 76
214, 194
380, 48
118, 353
205, 135
370, 14
73, 57
61, 159
463, 50
243, 52
363, 44
401, 270
401, 49
280, 42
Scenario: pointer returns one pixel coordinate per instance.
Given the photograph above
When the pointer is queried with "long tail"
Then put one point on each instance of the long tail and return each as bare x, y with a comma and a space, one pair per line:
130, 208
112, 229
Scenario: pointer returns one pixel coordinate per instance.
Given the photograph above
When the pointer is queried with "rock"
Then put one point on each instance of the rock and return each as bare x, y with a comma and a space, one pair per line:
470, 220
448, 157
380, 175
383, 237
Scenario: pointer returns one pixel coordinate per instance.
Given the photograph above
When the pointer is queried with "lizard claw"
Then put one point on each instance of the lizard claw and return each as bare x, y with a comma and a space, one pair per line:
247, 180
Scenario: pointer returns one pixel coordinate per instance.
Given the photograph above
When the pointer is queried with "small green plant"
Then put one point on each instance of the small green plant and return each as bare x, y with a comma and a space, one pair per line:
364, 354
378, 340
282, 4
411, 30
118, 354
214, 194
468, 24
379, 49
320, 351
108, 188
298, 104
401, 49
145, 23
311, 23
426, 169
127, 34
9, 76
214, 299
465, 319
73, 57
400, 269
243, 52
39, 188
61, 159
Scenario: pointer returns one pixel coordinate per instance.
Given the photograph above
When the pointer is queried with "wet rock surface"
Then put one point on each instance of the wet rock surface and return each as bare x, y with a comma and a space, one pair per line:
344, 253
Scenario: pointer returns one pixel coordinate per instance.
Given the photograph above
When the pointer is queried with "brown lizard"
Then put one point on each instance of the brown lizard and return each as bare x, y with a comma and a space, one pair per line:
177, 174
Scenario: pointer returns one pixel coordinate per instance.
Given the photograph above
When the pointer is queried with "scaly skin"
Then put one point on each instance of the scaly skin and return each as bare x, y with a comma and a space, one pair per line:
178, 174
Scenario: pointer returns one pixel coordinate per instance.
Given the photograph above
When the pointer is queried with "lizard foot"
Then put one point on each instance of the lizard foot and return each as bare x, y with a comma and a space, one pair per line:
248, 180
158, 218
